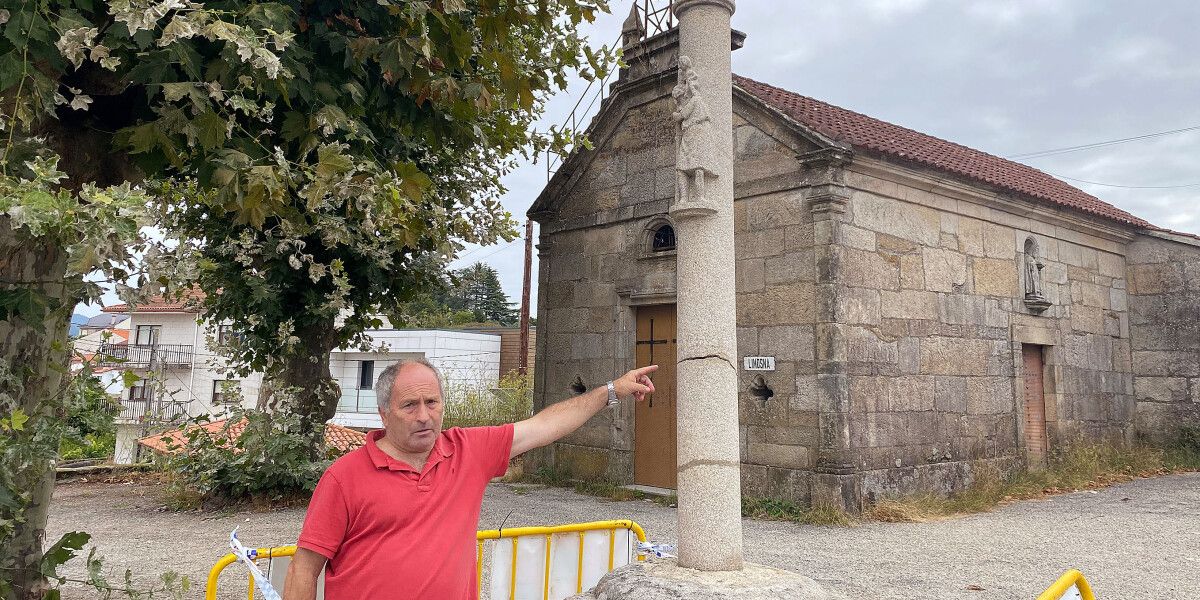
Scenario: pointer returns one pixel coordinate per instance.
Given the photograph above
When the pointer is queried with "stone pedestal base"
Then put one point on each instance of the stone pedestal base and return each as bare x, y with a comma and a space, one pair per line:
665, 580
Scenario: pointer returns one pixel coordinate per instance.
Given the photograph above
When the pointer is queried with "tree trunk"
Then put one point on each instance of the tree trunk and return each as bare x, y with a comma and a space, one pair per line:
302, 383
34, 348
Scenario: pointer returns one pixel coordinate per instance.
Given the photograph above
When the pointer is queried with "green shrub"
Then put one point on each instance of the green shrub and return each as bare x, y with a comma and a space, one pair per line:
270, 459
91, 431
474, 406
91, 445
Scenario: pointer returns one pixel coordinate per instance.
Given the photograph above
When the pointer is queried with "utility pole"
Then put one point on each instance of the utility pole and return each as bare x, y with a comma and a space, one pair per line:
523, 361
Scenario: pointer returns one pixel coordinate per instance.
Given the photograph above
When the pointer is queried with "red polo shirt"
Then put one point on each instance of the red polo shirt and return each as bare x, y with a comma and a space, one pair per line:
391, 532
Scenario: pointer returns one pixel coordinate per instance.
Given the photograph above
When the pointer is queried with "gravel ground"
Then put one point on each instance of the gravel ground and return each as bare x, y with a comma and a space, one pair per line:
1135, 540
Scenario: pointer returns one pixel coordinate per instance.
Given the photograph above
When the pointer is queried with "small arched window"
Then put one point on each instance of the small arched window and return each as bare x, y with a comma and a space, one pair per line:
664, 238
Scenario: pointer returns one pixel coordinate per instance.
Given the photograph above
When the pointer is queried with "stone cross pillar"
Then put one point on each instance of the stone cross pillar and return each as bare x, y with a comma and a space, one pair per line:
709, 488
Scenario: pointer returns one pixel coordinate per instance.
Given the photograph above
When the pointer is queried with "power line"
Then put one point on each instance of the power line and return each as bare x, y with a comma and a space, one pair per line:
503, 246
1128, 187
1066, 149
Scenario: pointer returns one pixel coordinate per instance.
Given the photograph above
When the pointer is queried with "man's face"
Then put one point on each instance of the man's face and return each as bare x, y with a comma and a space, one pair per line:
413, 418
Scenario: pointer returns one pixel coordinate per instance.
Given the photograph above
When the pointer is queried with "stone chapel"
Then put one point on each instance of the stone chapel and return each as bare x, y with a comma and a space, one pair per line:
911, 306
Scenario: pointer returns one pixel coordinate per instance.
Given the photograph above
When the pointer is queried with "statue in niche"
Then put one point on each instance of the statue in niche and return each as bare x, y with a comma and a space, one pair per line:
693, 157
1033, 278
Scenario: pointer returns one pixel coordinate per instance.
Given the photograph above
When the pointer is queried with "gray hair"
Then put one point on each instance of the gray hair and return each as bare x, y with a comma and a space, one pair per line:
383, 386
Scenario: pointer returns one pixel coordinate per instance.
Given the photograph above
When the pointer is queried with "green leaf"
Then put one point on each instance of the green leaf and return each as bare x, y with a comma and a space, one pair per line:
62, 551
129, 378
413, 182
331, 162
212, 130
18, 420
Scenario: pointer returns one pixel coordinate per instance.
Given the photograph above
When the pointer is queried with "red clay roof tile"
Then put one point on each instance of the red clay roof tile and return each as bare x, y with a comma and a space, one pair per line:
336, 436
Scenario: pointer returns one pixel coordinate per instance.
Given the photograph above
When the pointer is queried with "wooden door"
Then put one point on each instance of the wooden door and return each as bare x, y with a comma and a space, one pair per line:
1035, 402
654, 432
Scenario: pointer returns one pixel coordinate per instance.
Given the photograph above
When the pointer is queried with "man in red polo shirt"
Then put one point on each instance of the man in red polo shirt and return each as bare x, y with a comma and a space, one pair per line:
396, 518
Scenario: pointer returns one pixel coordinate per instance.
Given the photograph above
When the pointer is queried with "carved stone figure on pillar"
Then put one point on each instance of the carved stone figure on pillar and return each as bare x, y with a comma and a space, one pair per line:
693, 157
1034, 299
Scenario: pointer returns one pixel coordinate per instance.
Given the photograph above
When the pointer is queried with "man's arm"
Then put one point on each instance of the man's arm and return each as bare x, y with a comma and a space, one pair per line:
557, 420
301, 582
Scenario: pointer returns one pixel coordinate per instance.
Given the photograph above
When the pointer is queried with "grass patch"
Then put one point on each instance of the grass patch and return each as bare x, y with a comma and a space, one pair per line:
1077, 467
772, 509
472, 405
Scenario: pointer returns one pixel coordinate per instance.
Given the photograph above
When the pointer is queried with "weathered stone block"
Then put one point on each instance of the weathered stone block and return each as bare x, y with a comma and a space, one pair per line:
909, 355
1165, 364
775, 210
747, 341
807, 394
857, 306
777, 455
950, 394
908, 304
1161, 389
865, 346
859, 238
895, 245
787, 342
954, 356
1112, 265
945, 270
789, 268
912, 272
587, 346
1089, 294
891, 394
751, 275
1055, 273
1071, 254
869, 269
1156, 278
1088, 319
777, 305
989, 395
884, 215
998, 241
797, 237
970, 236
759, 244
995, 277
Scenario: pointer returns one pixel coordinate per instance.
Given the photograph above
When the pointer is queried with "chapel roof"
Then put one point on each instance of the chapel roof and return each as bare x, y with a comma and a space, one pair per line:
899, 143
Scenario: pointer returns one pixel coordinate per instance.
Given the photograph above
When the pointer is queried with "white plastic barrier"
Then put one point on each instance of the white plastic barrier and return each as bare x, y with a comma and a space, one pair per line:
576, 562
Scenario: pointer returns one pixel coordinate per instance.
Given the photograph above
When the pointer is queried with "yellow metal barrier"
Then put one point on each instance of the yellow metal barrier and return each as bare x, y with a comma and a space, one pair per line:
514, 533
1064, 583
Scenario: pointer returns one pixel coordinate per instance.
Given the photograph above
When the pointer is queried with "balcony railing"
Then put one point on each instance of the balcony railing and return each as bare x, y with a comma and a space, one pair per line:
145, 356
151, 410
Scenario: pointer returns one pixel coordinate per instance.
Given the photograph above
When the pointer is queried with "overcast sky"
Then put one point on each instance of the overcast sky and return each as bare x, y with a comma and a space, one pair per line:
1006, 77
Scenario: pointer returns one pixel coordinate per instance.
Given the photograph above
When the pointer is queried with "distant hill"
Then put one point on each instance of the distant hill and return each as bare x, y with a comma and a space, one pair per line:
77, 320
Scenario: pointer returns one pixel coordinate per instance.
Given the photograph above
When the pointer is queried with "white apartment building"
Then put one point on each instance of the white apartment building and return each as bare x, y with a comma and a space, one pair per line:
184, 376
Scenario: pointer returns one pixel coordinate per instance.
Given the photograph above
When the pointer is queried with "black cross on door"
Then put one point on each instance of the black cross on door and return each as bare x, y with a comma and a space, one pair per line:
651, 342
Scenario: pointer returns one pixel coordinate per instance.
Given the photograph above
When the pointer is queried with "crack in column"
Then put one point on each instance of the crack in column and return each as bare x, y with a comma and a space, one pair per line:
718, 356
709, 462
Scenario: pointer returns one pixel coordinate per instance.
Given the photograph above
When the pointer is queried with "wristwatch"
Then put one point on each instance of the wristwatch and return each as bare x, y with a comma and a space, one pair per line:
612, 394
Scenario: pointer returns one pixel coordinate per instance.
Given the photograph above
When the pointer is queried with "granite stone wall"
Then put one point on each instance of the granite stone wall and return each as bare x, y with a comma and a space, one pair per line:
932, 302
1164, 322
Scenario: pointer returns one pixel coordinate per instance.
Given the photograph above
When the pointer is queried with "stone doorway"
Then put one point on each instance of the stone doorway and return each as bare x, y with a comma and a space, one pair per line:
654, 433
1032, 362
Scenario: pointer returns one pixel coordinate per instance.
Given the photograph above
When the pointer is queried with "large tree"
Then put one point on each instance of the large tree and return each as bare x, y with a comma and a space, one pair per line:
314, 164
477, 289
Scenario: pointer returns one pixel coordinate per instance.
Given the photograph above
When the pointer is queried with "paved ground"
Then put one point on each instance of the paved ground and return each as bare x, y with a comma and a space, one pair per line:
1136, 540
